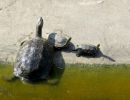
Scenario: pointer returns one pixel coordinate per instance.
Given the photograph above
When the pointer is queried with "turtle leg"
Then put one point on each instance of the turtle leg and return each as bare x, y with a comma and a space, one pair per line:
12, 79
79, 52
22, 43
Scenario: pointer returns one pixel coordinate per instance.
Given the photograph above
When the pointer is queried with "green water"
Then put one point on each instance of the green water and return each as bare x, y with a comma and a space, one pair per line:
77, 82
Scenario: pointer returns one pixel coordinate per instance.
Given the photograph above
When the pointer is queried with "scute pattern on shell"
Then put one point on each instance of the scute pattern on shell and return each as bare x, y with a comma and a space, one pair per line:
86, 47
45, 64
29, 57
58, 40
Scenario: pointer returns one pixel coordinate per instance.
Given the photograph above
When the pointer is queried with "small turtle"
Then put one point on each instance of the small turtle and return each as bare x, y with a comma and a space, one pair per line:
86, 50
33, 60
58, 40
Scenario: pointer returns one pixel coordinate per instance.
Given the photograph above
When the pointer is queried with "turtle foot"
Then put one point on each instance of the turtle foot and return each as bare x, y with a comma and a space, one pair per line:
78, 55
12, 79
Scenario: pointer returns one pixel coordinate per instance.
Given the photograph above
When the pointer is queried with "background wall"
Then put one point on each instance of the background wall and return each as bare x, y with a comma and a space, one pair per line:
87, 21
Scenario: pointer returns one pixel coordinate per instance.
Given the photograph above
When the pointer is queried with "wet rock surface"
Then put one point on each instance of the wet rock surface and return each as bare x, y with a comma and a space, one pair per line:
87, 21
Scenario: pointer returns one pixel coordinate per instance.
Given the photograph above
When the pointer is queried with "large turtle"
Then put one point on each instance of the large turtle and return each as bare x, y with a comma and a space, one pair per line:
33, 61
86, 50
58, 40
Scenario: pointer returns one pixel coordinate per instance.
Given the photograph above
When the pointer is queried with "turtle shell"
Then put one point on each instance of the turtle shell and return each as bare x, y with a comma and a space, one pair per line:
58, 40
86, 50
87, 47
28, 57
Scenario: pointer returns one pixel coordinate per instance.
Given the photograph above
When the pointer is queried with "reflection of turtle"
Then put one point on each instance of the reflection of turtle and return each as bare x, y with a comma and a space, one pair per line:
33, 56
87, 50
58, 40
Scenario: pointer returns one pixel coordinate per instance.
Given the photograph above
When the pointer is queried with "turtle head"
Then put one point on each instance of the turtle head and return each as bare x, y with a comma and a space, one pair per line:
75, 48
39, 27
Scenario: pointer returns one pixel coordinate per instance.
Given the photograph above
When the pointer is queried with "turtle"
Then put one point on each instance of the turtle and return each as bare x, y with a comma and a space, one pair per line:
59, 40
87, 50
33, 61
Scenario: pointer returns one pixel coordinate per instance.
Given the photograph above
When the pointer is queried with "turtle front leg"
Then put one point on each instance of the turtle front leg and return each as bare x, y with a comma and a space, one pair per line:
79, 52
22, 43
12, 79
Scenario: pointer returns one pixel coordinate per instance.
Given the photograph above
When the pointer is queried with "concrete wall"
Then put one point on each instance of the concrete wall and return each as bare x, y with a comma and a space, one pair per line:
87, 21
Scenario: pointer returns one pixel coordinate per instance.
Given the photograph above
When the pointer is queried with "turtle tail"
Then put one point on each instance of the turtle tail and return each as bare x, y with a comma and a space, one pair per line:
98, 45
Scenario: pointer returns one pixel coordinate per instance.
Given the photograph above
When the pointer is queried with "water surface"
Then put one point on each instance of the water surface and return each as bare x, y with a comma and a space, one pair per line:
78, 82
